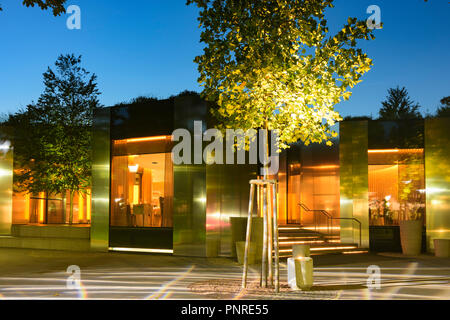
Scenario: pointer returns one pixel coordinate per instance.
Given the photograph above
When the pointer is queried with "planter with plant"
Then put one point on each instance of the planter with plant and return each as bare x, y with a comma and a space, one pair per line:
411, 222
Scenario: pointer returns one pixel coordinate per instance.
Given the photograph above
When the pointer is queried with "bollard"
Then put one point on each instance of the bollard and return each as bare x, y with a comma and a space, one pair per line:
304, 273
292, 282
300, 273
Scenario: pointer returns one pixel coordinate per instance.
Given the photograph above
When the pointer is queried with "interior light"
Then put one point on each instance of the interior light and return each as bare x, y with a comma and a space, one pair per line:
158, 138
384, 151
134, 168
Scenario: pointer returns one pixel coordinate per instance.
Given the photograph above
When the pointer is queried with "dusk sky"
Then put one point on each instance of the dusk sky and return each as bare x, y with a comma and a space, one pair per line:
147, 47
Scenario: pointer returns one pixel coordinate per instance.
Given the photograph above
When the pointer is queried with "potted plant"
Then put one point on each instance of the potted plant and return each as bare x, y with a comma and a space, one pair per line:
411, 233
412, 204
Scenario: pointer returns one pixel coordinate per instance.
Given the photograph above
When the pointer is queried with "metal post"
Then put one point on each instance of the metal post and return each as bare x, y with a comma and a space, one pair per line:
248, 236
265, 240
261, 215
270, 236
275, 237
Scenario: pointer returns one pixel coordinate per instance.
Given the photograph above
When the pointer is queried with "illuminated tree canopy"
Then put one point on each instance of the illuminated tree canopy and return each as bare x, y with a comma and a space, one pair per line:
274, 65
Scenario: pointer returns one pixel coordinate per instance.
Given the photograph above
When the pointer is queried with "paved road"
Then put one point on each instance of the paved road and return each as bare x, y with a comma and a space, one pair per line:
36, 274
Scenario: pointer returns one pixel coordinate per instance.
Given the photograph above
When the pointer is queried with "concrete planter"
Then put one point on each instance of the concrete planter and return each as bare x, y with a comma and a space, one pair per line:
442, 248
411, 237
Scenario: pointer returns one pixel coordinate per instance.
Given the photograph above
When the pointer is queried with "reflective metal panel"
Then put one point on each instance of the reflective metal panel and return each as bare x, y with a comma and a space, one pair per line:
346, 180
313, 182
354, 181
101, 150
189, 201
227, 197
282, 188
6, 185
437, 180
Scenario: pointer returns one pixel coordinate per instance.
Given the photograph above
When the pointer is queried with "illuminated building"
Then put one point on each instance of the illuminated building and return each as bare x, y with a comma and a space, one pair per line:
375, 174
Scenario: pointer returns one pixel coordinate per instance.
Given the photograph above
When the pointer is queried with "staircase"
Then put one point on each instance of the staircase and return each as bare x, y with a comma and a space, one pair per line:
320, 243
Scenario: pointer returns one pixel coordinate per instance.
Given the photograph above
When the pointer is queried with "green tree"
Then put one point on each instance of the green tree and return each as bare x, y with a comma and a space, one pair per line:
444, 109
57, 6
274, 65
52, 138
399, 106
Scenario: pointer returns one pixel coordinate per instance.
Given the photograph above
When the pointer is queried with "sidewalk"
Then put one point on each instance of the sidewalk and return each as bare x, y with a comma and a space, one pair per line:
39, 274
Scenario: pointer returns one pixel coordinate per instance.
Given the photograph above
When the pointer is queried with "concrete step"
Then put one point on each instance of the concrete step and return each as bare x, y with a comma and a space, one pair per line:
51, 231
66, 244
326, 248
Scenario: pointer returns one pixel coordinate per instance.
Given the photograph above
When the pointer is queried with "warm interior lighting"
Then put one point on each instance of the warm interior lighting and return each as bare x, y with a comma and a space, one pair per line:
384, 151
355, 252
133, 169
136, 192
27, 207
157, 138
303, 242
323, 249
332, 248
324, 167
41, 207
80, 207
322, 228
395, 151
88, 206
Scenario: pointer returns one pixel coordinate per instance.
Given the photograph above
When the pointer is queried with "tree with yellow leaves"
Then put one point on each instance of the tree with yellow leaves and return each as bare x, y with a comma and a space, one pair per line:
274, 65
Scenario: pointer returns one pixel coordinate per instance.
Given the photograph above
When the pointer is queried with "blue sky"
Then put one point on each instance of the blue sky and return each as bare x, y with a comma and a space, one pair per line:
147, 47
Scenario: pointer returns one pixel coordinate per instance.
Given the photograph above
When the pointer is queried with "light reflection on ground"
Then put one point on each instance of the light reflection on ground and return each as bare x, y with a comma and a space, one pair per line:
401, 279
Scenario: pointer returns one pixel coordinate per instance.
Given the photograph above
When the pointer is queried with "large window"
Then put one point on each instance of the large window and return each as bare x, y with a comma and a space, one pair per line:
396, 186
142, 184
44, 208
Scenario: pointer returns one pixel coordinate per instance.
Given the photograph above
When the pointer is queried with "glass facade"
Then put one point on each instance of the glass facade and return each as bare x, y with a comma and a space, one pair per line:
43, 208
313, 181
437, 179
353, 162
142, 190
396, 186
396, 172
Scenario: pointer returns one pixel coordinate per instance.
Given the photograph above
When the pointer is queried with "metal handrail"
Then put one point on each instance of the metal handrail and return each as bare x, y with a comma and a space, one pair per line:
359, 223
323, 212
331, 218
